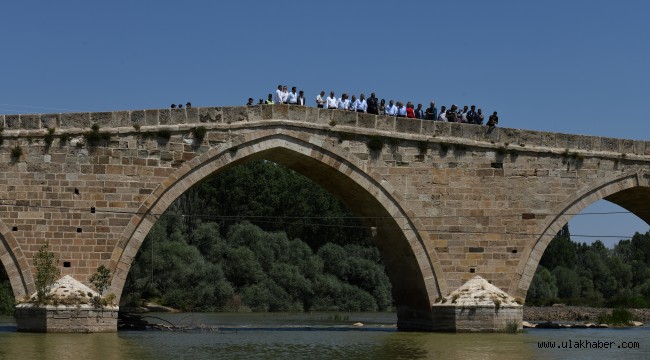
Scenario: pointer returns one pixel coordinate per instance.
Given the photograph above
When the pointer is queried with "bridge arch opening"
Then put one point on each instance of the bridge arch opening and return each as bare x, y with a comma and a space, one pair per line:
15, 266
581, 263
406, 258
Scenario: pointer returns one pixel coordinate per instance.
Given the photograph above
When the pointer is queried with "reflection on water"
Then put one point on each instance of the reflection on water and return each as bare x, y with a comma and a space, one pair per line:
307, 336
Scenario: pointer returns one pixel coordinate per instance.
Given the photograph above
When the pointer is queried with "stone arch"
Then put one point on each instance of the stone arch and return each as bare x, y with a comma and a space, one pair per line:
630, 191
410, 259
15, 264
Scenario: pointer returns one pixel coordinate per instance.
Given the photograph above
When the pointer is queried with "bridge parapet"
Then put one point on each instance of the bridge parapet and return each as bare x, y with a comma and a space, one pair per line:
16, 125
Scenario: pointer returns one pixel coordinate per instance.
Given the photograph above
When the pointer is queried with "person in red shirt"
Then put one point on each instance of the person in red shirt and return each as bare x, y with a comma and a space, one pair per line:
410, 113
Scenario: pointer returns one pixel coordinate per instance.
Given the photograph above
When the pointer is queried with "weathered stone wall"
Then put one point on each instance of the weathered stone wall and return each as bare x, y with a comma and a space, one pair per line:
476, 318
66, 319
460, 200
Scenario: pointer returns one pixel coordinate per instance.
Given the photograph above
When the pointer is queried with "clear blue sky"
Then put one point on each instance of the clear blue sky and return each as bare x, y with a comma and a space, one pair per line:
579, 66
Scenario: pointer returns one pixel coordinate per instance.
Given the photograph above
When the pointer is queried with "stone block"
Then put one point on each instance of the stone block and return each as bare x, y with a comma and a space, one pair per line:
639, 147
210, 114
266, 112
103, 119
137, 117
312, 115
456, 129
473, 132
586, 143
192, 115
50, 121
443, 128
366, 121
76, 120
429, 127
151, 117
177, 116
386, 123
345, 118
254, 112
609, 144
12, 122
509, 136
411, 126
548, 139
122, 119
627, 146
325, 116
533, 138
233, 114
30, 122
280, 112
297, 112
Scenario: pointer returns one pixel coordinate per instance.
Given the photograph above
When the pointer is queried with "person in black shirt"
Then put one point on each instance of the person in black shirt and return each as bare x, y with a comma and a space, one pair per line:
493, 120
373, 107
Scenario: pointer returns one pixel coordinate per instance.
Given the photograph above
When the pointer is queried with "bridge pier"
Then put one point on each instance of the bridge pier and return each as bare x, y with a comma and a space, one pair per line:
477, 306
69, 307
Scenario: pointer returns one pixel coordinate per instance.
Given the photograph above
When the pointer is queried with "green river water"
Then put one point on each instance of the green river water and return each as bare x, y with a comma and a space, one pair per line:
318, 336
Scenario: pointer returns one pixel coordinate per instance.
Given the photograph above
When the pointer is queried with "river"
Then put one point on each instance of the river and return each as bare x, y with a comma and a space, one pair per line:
317, 336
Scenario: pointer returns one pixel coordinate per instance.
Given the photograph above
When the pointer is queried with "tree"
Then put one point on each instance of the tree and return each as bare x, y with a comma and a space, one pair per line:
101, 279
46, 271
543, 288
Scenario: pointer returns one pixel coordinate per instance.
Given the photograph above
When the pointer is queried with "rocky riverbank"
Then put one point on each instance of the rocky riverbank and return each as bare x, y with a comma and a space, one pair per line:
574, 314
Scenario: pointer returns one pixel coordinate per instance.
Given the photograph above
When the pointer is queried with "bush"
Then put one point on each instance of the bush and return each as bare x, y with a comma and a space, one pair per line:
375, 143
46, 271
94, 137
199, 133
7, 301
618, 317
16, 152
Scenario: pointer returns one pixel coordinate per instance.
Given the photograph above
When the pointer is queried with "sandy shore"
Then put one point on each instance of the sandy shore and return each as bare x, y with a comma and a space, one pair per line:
574, 313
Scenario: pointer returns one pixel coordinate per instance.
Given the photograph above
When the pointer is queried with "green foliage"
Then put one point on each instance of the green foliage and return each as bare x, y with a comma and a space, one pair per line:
101, 280
423, 147
221, 262
164, 134
95, 137
375, 143
47, 271
7, 301
64, 138
16, 152
618, 317
49, 137
543, 288
199, 133
593, 275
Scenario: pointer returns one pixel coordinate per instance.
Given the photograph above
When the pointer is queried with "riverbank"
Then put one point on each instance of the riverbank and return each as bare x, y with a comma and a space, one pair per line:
574, 314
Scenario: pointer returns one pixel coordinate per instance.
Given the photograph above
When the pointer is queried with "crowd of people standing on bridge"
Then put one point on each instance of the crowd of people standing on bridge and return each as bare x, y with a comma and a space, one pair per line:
372, 105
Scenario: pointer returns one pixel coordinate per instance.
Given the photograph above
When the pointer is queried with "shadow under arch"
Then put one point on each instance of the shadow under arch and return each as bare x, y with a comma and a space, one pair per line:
411, 264
630, 191
15, 264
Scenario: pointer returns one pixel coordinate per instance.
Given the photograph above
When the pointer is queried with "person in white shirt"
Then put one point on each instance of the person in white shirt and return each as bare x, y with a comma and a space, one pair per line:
391, 109
285, 95
344, 103
353, 103
320, 100
331, 101
443, 114
361, 105
278, 95
292, 97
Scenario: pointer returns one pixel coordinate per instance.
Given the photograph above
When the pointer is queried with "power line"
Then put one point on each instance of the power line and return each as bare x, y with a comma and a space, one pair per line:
291, 220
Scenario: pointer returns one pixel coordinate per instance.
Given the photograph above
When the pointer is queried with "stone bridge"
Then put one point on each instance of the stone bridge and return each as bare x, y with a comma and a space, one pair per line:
447, 201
